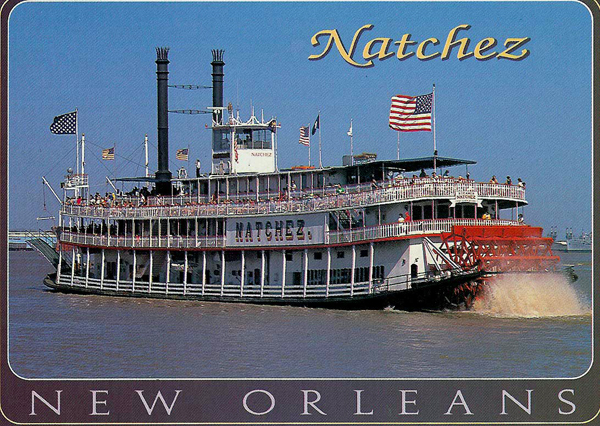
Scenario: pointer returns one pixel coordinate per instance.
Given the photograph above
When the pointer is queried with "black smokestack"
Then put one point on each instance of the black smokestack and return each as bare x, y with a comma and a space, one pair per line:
163, 175
217, 82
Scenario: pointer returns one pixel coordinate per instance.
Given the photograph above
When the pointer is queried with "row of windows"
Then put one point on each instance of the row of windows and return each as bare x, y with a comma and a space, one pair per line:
318, 255
338, 276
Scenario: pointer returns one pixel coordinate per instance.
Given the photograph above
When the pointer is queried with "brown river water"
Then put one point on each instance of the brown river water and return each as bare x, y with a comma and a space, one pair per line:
525, 326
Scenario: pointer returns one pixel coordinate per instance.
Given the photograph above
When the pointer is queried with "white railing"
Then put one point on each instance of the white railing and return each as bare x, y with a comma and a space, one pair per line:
268, 291
372, 233
424, 189
390, 230
142, 241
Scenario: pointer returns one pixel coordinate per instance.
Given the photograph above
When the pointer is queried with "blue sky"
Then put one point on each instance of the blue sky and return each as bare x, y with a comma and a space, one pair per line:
528, 119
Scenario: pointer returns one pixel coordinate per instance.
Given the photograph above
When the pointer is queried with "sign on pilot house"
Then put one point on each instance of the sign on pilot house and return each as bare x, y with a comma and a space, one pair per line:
275, 231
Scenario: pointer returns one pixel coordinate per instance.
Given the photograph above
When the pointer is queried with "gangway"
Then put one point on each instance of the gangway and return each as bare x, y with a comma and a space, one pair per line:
42, 242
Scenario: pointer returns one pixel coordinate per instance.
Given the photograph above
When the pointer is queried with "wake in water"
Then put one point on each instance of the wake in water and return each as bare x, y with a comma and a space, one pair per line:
529, 296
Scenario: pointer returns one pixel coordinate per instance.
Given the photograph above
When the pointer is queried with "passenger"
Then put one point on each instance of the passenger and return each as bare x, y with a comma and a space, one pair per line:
468, 176
423, 174
493, 179
520, 218
447, 174
508, 180
400, 218
374, 184
520, 183
406, 217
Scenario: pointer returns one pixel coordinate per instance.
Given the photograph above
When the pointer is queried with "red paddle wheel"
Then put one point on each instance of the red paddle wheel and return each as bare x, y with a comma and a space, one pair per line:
500, 248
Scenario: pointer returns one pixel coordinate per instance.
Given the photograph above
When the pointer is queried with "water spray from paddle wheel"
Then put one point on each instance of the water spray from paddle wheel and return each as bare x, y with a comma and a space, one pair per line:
497, 249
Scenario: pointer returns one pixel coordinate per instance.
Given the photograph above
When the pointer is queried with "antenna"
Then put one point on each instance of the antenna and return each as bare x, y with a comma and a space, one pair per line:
237, 94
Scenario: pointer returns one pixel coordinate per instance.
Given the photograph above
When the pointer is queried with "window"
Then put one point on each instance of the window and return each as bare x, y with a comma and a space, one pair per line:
221, 140
289, 256
318, 255
232, 256
361, 275
364, 253
378, 272
261, 139
340, 254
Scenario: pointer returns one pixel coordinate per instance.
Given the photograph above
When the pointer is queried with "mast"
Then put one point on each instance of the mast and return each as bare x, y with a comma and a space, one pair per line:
351, 144
82, 181
83, 153
320, 157
146, 154
77, 145
434, 145
308, 131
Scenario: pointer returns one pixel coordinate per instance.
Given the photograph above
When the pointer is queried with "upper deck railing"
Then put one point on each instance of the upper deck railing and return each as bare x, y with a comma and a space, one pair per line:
164, 207
429, 226
372, 233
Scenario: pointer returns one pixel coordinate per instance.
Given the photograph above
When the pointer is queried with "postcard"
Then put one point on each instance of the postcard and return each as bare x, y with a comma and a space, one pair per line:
298, 212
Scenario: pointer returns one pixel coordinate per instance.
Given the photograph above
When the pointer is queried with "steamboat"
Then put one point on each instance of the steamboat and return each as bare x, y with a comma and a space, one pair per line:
368, 234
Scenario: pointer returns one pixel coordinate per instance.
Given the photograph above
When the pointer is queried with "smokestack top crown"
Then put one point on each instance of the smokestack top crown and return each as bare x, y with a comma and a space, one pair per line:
217, 55
162, 54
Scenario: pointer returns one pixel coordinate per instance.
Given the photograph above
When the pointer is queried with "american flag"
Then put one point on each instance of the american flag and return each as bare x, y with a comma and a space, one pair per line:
304, 135
182, 154
411, 113
108, 153
65, 124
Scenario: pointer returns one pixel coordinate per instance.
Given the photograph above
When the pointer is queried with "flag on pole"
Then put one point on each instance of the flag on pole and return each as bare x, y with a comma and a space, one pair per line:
272, 124
108, 153
182, 154
411, 113
317, 124
350, 131
65, 124
304, 136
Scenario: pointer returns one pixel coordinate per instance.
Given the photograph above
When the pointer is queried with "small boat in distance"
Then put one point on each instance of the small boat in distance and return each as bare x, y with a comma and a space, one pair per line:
582, 243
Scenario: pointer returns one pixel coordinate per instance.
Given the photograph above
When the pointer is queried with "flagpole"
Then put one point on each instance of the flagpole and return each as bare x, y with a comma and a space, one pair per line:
320, 157
83, 161
351, 144
274, 139
434, 144
77, 147
146, 153
83, 154
115, 159
188, 157
398, 146
308, 131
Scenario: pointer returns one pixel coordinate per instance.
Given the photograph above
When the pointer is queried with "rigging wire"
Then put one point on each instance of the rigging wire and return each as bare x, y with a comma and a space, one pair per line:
188, 86
171, 162
129, 160
58, 163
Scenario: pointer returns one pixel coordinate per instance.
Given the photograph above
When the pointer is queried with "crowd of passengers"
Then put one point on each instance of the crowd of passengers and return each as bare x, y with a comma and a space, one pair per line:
149, 198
